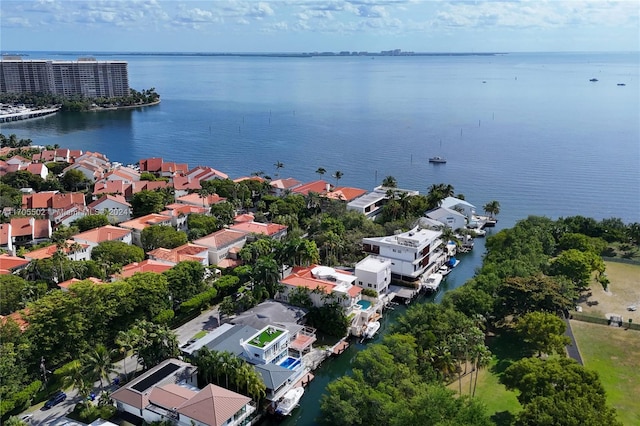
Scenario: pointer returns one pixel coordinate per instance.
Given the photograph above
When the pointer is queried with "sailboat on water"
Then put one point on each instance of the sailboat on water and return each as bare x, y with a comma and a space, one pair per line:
438, 159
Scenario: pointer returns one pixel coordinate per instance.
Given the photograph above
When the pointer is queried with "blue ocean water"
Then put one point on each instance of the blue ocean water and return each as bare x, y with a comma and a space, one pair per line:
529, 130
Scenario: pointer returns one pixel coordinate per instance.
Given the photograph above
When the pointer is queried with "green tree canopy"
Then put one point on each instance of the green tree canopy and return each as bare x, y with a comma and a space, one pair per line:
116, 253
185, 280
146, 202
12, 292
544, 332
91, 221
157, 236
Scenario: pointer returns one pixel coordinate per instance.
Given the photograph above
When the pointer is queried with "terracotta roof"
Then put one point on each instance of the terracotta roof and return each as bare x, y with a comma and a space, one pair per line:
221, 238
259, 228
171, 395
147, 185
27, 226
302, 276
179, 254
68, 283
229, 263
247, 217
133, 176
143, 222
113, 187
49, 251
18, 317
213, 405
9, 263
37, 168
151, 164
103, 233
39, 200
61, 201
287, 183
144, 266
318, 186
206, 173
185, 183
196, 200
172, 167
176, 209
345, 193
108, 197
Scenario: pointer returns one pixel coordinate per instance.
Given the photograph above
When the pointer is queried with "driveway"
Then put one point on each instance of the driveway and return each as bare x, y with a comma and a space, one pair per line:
207, 321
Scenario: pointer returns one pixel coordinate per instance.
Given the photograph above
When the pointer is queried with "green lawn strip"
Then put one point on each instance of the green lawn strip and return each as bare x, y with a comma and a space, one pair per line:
200, 334
613, 353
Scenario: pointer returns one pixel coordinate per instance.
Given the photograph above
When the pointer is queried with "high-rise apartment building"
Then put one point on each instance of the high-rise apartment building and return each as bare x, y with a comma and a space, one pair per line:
86, 76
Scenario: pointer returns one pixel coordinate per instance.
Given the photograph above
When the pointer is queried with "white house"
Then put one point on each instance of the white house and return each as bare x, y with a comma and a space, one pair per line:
139, 224
466, 208
374, 273
371, 204
223, 246
115, 207
93, 237
322, 281
451, 218
411, 253
169, 392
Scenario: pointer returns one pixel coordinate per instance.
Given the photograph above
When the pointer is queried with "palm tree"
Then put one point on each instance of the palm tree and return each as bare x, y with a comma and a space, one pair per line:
278, 166
390, 182
338, 175
321, 171
228, 363
492, 207
126, 342
99, 364
74, 374
266, 274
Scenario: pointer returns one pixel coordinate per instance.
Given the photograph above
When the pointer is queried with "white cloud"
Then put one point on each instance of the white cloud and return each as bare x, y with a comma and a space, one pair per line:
16, 22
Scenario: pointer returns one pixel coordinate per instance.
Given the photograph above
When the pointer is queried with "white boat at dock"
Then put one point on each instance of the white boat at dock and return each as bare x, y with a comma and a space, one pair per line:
289, 401
432, 282
444, 270
371, 330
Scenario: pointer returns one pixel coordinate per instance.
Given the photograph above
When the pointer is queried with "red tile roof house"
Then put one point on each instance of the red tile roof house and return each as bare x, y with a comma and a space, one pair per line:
152, 165
28, 231
66, 284
114, 187
171, 169
345, 193
273, 230
18, 161
138, 224
73, 250
180, 212
6, 242
11, 264
186, 252
124, 174
141, 267
182, 185
18, 317
223, 246
59, 208
91, 171
280, 187
168, 392
201, 173
329, 280
45, 156
93, 237
196, 200
317, 186
115, 206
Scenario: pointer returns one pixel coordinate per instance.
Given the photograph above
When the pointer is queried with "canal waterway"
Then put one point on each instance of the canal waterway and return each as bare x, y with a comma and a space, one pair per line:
335, 367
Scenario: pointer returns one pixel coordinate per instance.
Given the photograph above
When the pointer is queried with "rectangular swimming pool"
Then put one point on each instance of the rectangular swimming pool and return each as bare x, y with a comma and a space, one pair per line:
290, 363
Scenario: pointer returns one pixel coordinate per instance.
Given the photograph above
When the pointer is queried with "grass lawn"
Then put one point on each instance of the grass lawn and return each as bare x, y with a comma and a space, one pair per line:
501, 404
613, 353
200, 334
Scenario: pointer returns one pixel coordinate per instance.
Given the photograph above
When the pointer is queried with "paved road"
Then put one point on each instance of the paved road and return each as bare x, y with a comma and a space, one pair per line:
207, 321
572, 349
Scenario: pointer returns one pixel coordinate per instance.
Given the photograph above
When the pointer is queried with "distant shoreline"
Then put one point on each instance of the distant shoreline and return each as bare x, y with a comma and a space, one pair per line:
273, 55
100, 109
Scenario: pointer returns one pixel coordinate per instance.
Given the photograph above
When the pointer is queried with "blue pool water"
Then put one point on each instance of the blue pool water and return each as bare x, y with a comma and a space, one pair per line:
364, 304
290, 363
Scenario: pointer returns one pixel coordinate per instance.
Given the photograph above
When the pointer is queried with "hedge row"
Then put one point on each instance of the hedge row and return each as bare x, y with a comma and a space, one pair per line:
199, 301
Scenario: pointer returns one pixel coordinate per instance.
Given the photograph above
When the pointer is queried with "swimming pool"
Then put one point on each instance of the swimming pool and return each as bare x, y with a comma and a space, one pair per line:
290, 362
364, 304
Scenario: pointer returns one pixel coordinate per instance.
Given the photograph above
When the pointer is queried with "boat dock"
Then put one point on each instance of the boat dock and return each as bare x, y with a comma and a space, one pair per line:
406, 294
16, 114
339, 347
304, 381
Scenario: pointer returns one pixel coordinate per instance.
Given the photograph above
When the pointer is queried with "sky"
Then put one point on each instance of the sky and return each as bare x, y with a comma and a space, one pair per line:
319, 25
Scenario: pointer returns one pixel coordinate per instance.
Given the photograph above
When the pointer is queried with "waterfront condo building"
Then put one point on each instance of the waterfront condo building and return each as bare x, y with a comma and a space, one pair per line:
86, 76
411, 253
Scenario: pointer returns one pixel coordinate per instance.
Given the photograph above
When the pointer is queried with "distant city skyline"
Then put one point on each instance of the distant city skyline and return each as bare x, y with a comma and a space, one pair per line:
319, 25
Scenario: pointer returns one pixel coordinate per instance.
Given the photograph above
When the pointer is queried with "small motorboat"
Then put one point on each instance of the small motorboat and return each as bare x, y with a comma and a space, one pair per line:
593, 80
432, 282
371, 330
437, 160
289, 401
444, 270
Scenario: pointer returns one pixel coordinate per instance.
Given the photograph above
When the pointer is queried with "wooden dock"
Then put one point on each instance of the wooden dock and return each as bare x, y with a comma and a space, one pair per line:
340, 347
305, 380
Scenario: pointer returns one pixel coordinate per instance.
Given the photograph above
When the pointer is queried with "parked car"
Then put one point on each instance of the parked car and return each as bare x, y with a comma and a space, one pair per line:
26, 418
55, 399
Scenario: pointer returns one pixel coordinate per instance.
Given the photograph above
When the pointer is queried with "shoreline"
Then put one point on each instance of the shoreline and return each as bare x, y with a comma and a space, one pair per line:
100, 109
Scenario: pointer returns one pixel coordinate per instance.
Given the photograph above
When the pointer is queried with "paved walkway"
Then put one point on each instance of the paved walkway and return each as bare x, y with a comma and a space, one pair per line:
572, 349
